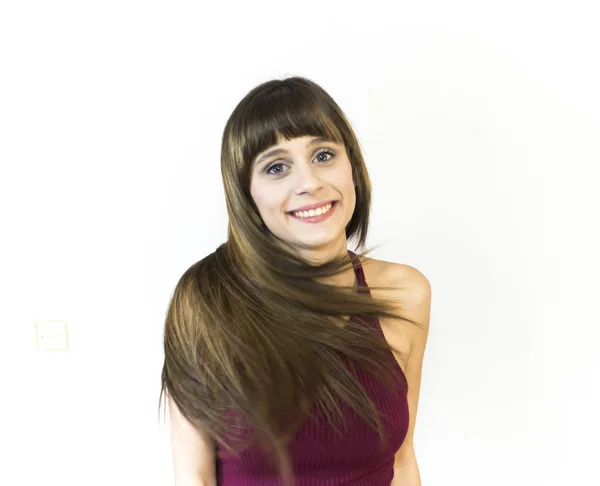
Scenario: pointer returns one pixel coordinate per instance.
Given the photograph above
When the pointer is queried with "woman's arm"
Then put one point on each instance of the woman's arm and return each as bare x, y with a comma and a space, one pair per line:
193, 452
406, 470
416, 305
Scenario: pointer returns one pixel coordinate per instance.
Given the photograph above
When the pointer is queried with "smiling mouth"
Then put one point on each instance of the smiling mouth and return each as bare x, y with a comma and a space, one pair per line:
314, 208
314, 213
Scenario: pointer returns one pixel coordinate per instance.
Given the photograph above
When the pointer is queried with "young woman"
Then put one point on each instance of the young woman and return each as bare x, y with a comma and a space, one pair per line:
282, 365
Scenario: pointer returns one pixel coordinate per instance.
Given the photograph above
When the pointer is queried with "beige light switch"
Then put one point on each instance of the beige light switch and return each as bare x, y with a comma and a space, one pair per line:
51, 335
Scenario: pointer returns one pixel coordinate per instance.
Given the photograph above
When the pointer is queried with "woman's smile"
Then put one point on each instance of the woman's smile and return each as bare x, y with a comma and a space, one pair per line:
315, 215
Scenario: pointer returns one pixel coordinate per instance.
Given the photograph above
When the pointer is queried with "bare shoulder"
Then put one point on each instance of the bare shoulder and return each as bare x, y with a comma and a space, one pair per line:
412, 289
412, 292
411, 281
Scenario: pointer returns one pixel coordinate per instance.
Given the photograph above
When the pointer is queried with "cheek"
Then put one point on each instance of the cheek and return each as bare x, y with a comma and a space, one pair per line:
258, 196
349, 192
346, 182
267, 199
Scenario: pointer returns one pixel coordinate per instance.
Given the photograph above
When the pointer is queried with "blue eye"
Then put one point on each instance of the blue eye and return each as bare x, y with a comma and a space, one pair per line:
326, 152
269, 170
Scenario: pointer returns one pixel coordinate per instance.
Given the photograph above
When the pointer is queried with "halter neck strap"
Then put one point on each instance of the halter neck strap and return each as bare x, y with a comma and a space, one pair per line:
359, 272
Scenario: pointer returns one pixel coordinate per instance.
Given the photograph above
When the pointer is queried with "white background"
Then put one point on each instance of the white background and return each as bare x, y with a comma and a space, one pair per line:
479, 123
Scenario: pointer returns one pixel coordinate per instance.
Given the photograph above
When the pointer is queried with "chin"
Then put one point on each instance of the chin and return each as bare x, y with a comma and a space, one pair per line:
318, 241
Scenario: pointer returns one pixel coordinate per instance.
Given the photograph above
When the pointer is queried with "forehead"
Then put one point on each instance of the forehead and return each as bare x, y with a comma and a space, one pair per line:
300, 142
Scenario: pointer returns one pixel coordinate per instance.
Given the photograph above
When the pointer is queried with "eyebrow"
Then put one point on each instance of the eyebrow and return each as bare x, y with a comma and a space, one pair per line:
278, 151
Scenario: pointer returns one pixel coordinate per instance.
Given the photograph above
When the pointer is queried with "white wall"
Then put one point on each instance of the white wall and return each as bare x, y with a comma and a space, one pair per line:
480, 129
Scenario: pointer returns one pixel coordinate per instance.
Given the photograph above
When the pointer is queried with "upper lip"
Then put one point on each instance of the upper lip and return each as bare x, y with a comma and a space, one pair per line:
313, 206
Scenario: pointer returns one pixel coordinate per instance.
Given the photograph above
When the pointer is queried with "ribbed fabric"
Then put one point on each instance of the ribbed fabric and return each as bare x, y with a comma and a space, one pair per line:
320, 456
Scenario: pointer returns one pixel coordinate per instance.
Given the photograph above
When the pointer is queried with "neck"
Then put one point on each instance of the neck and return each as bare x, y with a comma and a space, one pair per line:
320, 255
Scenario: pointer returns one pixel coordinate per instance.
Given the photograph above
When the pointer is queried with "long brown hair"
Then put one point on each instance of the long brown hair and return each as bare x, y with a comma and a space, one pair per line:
248, 328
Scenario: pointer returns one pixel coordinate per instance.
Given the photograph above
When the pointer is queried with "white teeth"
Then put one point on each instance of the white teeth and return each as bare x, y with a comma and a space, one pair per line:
313, 212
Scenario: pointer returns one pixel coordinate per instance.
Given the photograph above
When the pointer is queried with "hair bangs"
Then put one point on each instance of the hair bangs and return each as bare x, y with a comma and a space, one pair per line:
286, 113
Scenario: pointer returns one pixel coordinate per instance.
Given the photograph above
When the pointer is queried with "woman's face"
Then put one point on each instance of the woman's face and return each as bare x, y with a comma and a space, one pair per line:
303, 172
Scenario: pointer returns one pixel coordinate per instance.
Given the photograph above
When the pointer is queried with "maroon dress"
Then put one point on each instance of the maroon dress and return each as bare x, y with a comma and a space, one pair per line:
320, 456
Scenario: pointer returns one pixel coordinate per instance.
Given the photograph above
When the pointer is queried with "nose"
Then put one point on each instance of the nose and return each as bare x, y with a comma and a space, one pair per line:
307, 180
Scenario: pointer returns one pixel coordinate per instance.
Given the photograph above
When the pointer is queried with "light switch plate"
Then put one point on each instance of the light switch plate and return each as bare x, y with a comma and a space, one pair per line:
51, 335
